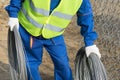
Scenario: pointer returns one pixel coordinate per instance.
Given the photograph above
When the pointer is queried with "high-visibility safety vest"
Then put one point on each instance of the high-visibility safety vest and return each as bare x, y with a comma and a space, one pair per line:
35, 16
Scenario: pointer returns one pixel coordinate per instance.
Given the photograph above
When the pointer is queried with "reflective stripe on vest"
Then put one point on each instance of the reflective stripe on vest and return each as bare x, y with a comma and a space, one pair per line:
31, 20
46, 13
48, 26
62, 15
35, 17
39, 10
54, 28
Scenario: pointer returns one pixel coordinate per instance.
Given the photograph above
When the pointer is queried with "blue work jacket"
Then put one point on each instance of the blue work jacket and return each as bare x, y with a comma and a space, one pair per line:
84, 18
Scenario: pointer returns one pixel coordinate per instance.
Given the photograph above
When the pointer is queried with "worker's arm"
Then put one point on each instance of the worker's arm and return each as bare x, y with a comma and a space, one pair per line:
85, 20
13, 8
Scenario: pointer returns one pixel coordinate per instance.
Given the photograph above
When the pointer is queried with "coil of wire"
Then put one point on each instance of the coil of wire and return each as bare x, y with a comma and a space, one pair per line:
16, 56
90, 68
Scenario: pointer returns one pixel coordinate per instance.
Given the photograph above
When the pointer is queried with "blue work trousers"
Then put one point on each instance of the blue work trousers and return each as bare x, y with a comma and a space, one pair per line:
57, 50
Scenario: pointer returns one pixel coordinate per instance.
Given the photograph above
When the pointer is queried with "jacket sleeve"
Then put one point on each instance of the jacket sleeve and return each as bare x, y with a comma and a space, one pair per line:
85, 20
14, 7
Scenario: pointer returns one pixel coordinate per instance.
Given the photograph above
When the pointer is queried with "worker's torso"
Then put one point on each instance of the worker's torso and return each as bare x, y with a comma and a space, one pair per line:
48, 18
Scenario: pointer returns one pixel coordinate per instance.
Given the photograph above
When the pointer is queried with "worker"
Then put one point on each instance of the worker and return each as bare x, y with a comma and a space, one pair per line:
41, 23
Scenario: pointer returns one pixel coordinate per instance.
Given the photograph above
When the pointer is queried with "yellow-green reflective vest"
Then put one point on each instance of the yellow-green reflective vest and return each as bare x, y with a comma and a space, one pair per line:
35, 16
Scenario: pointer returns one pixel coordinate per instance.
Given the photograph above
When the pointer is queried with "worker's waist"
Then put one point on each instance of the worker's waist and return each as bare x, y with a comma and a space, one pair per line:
40, 37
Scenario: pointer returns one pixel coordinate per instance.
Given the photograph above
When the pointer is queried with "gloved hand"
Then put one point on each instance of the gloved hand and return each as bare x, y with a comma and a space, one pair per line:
92, 49
13, 22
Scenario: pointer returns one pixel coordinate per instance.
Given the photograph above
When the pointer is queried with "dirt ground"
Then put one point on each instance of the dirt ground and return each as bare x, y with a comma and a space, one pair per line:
107, 24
